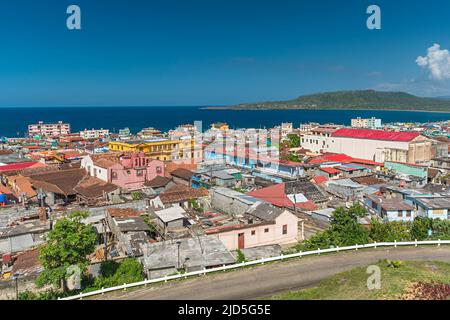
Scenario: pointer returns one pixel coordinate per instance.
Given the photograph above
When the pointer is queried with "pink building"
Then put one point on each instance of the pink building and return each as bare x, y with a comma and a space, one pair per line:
127, 170
267, 225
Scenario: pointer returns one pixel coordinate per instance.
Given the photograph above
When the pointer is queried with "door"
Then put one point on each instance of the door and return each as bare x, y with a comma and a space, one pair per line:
241, 240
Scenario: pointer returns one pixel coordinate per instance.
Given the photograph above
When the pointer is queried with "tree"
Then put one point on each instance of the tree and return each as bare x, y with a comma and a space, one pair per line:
68, 244
346, 226
391, 231
420, 227
345, 230
294, 140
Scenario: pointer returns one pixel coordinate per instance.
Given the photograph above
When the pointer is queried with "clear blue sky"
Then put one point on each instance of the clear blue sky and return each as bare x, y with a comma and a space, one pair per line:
194, 52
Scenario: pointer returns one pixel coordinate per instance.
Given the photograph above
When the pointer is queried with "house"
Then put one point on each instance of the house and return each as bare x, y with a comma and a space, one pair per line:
265, 225
191, 254
182, 176
432, 207
300, 194
58, 185
159, 184
23, 236
92, 190
230, 201
394, 209
129, 171
129, 228
182, 195
171, 218
323, 214
208, 177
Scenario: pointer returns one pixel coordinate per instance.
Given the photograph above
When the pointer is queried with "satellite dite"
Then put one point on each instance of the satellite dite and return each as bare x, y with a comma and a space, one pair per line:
73, 22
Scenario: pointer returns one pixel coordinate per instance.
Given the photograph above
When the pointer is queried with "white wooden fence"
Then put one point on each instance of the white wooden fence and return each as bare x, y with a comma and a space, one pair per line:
255, 262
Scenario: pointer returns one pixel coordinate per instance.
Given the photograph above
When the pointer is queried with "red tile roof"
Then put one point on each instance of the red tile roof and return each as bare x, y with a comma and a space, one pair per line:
376, 134
330, 170
342, 158
17, 166
319, 179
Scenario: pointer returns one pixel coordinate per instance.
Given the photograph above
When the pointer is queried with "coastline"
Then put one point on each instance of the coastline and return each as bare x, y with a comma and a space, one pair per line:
321, 109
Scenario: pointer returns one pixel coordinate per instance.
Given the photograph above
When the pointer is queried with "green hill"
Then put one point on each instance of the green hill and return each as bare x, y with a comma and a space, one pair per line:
360, 99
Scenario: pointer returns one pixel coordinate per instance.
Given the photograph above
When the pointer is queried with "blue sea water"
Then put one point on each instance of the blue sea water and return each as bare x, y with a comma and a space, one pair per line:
14, 121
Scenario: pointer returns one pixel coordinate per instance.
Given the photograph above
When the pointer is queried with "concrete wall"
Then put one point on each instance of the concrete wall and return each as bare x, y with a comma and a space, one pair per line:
227, 204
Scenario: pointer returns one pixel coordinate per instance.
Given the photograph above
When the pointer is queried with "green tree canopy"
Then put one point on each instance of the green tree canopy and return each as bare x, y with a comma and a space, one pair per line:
68, 244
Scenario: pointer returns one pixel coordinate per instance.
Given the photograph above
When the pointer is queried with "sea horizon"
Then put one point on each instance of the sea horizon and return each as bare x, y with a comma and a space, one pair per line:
165, 118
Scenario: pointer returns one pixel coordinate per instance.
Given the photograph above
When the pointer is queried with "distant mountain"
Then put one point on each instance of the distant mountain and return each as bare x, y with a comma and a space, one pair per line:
360, 99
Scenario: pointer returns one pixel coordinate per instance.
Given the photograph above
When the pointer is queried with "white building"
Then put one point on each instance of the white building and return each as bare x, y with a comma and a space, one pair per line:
372, 123
94, 133
381, 146
48, 129
318, 139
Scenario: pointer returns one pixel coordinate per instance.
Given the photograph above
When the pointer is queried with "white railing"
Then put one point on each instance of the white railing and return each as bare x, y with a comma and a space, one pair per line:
255, 262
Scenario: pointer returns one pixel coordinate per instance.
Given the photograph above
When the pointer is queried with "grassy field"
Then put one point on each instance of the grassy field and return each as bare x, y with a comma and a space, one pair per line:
396, 283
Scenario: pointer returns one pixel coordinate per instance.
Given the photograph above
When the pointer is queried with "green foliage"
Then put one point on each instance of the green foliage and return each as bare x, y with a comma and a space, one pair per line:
195, 205
293, 157
389, 232
344, 230
420, 227
294, 140
240, 256
46, 295
115, 274
68, 243
151, 226
394, 263
136, 196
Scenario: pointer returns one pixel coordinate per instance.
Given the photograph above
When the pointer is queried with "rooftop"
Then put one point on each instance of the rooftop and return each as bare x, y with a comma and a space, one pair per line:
402, 136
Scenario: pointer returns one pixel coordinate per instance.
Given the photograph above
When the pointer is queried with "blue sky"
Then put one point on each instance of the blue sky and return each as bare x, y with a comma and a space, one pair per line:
203, 52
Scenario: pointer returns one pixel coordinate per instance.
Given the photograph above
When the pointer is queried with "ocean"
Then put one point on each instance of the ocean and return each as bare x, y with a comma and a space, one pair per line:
14, 121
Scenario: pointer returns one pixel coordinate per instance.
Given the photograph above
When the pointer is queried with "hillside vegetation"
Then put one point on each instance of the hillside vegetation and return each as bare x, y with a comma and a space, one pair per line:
360, 99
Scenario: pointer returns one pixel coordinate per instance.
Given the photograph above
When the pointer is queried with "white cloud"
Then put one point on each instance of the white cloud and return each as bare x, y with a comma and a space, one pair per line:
437, 61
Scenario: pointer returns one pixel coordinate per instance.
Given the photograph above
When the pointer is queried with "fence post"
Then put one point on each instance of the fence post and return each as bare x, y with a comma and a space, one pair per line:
337, 248
165, 278
439, 242
375, 244
281, 257
301, 254
204, 271
223, 266
318, 251
415, 244
125, 289
356, 249
395, 243
102, 290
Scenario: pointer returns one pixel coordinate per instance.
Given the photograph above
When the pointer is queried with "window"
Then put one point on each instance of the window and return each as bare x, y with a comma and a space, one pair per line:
408, 213
400, 214
266, 230
253, 232
285, 229
139, 173
113, 175
158, 169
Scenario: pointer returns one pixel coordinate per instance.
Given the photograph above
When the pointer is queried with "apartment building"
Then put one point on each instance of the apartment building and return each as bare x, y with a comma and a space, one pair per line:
371, 123
49, 129
94, 133
318, 139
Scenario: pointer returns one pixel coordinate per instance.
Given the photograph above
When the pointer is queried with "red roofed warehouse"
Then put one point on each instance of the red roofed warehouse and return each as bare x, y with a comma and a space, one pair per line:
381, 146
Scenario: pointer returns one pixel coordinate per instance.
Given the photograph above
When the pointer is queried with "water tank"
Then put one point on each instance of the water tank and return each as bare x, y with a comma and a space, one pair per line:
2, 198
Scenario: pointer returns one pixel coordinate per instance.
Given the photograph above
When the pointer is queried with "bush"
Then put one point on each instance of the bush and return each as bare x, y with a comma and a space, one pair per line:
240, 257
